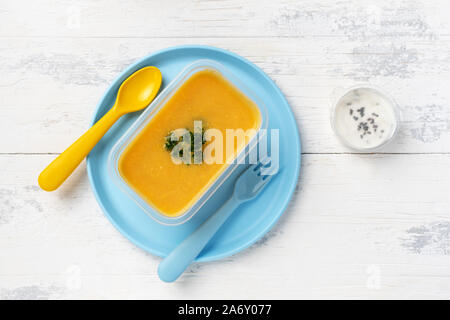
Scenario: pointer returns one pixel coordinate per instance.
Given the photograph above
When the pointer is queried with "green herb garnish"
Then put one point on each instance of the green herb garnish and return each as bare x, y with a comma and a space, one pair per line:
173, 138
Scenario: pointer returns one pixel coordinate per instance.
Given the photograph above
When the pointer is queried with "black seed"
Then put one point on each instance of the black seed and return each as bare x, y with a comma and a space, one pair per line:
351, 111
355, 118
374, 114
361, 111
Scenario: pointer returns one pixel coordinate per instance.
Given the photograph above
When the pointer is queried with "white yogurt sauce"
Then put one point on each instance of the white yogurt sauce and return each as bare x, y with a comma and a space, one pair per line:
364, 118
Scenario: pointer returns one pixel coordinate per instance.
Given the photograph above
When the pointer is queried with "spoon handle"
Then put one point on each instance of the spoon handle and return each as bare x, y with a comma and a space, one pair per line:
61, 168
181, 257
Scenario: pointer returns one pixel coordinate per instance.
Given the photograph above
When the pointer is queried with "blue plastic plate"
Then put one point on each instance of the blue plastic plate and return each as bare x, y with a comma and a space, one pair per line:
251, 220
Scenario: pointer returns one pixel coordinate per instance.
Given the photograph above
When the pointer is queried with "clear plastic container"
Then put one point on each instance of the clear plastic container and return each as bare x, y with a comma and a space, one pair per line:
152, 110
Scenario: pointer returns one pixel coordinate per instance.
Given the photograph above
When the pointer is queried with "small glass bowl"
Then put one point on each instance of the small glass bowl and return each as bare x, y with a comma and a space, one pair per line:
343, 95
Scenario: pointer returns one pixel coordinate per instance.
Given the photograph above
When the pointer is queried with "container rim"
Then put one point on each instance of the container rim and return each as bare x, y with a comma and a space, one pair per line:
343, 92
154, 107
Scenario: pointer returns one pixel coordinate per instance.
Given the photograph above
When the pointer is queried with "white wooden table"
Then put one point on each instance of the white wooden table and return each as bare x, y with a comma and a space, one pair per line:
359, 226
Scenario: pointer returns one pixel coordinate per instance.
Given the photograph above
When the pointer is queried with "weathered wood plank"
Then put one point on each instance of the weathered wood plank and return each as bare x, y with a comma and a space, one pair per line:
352, 19
359, 226
49, 88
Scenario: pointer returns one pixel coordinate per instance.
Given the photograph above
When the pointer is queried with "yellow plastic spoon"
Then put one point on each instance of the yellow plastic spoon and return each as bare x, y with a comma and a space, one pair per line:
135, 93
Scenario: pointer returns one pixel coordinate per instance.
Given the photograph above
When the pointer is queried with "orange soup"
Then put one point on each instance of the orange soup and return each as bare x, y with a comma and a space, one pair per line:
148, 167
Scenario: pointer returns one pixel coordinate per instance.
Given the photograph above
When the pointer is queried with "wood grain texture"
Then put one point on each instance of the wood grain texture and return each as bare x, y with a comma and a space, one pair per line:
65, 79
359, 226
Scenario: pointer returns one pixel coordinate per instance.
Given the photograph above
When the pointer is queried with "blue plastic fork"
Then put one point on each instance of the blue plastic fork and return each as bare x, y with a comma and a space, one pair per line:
247, 186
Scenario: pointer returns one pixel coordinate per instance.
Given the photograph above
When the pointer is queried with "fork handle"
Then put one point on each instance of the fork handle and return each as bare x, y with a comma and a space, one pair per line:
182, 256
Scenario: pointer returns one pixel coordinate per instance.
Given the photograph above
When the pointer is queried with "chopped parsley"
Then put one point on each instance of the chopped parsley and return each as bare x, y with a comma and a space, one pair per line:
175, 137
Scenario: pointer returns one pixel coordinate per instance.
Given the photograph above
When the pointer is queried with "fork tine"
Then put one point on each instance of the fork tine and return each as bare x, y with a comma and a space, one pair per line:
261, 163
265, 168
255, 167
262, 182
271, 171
265, 178
265, 161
